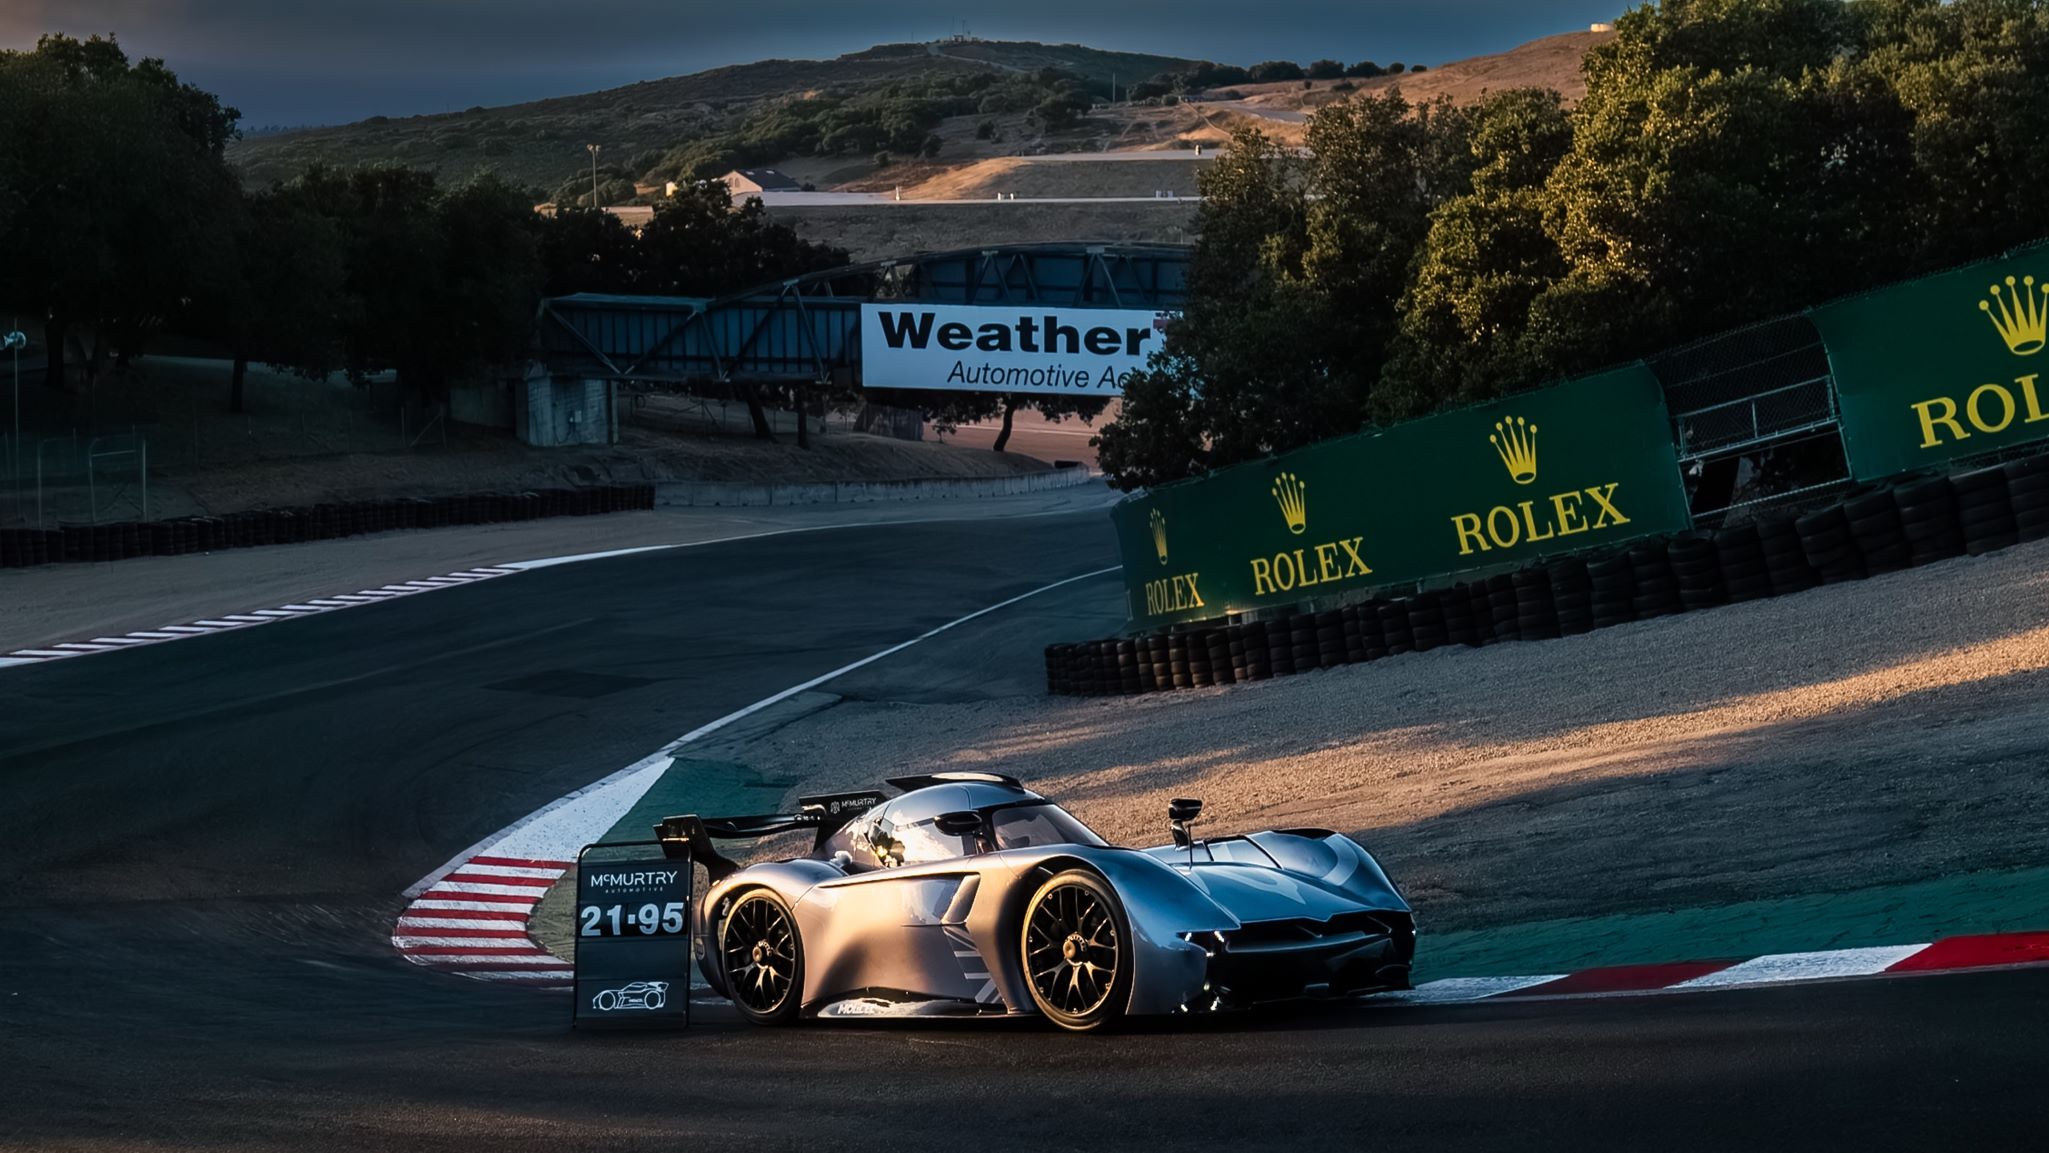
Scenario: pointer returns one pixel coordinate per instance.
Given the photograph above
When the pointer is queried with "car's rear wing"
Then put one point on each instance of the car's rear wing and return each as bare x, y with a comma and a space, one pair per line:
691, 835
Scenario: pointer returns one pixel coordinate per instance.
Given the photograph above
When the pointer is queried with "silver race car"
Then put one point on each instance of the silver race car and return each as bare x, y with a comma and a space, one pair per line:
969, 895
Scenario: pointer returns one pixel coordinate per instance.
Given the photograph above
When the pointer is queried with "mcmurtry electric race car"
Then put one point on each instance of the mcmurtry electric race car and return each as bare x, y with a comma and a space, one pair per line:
969, 894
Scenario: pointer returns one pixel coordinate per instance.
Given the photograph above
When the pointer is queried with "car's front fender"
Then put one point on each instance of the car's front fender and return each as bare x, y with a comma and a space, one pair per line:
1167, 969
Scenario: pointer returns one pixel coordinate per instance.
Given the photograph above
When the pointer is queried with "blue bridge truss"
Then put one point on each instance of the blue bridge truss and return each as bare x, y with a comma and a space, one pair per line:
808, 329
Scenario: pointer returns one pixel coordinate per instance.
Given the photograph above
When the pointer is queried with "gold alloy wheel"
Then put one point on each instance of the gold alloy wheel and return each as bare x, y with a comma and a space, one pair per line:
761, 955
1074, 953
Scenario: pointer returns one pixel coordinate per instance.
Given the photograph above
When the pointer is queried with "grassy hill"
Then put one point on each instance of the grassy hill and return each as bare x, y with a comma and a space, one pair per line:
541, 143
952, 118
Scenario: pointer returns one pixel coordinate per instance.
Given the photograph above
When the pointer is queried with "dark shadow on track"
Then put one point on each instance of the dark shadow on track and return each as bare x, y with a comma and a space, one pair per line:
205, 845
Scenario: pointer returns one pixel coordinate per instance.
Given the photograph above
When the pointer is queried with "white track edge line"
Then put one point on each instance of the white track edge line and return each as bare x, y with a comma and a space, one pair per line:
42, 655
666, 752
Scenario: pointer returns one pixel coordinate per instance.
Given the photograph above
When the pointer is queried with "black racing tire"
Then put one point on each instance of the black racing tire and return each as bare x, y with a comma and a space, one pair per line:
1875, 528
1657, 589
1745, 576
1481, 611
757, 928
1536, 613
1697, 570
1074, 927
1394, 627
1785, 560
1826, 542
1614, 585
1457, 609
1502, 611
1929, 518
1985, 511
2027, 489
1355, 641
1426, 622
1372, 635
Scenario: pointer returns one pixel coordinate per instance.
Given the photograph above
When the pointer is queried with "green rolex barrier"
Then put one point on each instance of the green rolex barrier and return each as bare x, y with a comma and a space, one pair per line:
1580, 465
1943, 367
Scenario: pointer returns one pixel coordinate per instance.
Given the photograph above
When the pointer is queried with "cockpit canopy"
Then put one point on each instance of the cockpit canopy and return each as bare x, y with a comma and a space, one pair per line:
902, 831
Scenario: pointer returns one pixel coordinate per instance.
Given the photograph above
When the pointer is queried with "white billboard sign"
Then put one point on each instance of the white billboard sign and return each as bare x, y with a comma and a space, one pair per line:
1023, 348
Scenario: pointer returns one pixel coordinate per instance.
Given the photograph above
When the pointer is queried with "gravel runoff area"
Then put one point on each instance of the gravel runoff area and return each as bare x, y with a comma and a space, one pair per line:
1863, 734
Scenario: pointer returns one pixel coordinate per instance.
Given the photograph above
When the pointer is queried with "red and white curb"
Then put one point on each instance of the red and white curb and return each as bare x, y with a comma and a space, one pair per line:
1982, 951
473, 916
235, 622
506, 873
474, 921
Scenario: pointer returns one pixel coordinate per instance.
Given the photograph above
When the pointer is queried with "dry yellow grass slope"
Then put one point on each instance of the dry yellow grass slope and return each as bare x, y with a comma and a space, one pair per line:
1099, 175
1552, 62
880, 231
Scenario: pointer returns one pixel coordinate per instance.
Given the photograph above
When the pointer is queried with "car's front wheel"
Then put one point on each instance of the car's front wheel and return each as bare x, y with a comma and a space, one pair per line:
762, 957
1077, 953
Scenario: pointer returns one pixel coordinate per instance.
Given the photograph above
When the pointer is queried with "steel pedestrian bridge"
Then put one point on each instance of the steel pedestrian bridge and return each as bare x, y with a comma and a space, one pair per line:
807, 330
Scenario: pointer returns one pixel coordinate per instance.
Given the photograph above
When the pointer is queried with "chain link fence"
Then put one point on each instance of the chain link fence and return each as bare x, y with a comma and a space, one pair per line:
1754, 418
91, 454
714, 410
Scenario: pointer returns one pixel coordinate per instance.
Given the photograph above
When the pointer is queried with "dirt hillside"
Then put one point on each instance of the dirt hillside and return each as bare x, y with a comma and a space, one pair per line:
1089, 175
877, 232
1553, 62
1880, 732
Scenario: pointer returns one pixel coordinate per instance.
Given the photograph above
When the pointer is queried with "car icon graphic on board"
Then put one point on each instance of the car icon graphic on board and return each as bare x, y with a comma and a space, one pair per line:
638, 995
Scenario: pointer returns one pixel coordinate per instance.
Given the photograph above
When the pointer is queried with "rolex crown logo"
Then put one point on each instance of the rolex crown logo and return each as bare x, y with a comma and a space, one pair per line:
2021, 314
1291, 493
1160, 535
1516, 440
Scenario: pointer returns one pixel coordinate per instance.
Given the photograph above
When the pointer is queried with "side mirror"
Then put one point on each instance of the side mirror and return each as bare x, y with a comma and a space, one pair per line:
965, 823
1181, 812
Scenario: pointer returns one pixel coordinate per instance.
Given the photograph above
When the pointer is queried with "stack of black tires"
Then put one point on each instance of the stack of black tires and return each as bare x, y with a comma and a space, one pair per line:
1870, 533
20, 548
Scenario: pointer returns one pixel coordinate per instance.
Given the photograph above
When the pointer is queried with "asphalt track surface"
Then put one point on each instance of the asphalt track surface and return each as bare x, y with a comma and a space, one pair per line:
205, 844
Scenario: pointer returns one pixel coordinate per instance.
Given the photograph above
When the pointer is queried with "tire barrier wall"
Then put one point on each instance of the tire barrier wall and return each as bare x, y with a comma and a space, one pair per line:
1918, 523
721, 494
1928, 374
20, 548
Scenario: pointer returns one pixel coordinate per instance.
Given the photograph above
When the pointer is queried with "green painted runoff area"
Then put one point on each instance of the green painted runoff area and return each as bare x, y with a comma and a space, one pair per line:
707, 788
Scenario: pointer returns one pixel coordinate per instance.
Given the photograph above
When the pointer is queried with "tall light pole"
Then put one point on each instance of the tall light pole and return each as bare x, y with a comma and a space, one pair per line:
594, 150
13, 341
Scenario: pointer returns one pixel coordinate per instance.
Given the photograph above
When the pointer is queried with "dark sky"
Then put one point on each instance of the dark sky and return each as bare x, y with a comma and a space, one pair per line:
311, 62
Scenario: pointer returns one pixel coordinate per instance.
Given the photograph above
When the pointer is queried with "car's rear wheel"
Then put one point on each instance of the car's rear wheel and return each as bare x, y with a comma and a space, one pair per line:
1077, 952
762, 957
